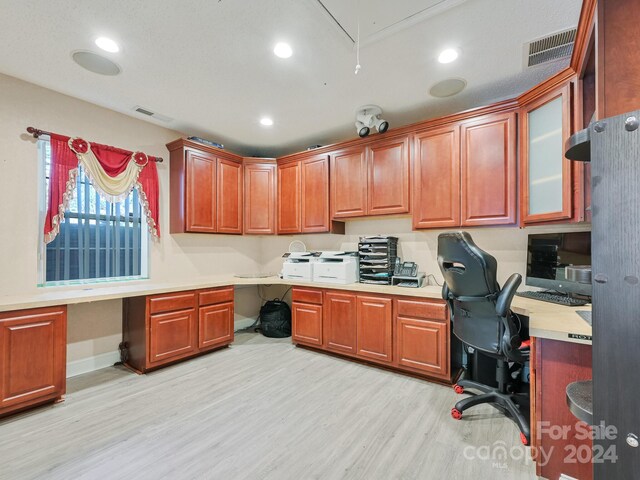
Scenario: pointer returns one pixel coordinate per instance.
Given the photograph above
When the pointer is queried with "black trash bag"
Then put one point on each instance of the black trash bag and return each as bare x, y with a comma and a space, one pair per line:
275, 319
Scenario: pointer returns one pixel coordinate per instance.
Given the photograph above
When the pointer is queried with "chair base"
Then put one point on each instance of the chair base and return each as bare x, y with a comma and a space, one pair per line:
513, 405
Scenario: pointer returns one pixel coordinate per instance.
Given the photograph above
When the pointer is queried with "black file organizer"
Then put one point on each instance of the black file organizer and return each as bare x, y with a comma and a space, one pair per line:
377, 259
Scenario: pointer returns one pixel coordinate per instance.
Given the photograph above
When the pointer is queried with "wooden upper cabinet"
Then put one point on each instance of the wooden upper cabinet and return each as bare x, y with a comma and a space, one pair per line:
260, 198
488, 170
349, 183
200, 193
315, 194
388, 180
436, 178
340, 322
289, 189
229, 215
205, 189
546, 175
33, 347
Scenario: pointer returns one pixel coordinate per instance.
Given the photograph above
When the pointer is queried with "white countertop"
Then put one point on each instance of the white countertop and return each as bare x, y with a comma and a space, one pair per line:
546, 320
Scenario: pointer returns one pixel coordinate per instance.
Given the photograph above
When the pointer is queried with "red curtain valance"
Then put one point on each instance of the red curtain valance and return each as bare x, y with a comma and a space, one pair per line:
113, 172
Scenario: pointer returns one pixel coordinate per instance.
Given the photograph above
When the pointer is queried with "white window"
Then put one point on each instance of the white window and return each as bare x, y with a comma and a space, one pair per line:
98, 240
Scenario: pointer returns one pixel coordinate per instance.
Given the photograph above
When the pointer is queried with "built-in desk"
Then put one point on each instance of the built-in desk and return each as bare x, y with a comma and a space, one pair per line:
546, 320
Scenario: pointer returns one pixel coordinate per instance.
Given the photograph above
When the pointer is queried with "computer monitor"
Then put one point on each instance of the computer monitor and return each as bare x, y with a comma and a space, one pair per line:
549, 253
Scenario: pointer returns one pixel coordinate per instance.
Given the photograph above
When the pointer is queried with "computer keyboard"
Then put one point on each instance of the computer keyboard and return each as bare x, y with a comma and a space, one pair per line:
553, 298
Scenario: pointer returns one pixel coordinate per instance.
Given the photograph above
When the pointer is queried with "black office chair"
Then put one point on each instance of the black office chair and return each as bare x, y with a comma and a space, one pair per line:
482, 320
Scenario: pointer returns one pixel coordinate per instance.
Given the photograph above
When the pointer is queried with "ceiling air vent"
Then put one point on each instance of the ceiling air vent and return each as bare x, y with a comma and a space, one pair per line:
149, 113
552, 47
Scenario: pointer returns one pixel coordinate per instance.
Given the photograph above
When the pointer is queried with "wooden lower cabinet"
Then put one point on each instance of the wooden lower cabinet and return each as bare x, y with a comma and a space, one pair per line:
215, 325
162, 329
172, 335
404, 333
374, 329
340, 322
562, 440
306, 323
33, 353
423, 337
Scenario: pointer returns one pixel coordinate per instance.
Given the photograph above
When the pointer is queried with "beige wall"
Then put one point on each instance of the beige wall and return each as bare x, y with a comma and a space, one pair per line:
94, 329
508, 244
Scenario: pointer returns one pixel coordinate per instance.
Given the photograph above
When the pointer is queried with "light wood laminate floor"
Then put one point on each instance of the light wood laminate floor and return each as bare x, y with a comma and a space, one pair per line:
261, 409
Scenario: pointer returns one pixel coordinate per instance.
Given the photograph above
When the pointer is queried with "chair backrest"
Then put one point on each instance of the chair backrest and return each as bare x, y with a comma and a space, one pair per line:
480, 310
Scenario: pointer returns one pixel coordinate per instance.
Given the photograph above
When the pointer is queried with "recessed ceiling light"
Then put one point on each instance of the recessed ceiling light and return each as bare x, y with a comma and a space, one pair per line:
448, 55
266, 121
107, 45
282, 50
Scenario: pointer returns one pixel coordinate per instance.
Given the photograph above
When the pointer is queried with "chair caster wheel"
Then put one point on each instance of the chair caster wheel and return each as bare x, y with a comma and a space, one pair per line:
459, 389
523, 439
456, 414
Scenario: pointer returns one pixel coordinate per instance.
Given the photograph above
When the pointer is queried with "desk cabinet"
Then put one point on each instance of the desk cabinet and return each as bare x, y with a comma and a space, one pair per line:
423, 337
402, 333
33, 352
374, 332
162, 329
555, 364
306, 316
339, 327
205, 189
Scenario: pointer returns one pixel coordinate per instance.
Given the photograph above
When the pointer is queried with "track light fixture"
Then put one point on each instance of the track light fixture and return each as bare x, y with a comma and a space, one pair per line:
368, 117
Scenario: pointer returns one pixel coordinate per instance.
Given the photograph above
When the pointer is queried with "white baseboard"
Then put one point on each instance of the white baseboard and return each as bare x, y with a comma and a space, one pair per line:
85, 365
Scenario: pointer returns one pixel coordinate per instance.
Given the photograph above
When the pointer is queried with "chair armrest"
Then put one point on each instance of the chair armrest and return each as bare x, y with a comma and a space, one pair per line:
503, 302
445, 291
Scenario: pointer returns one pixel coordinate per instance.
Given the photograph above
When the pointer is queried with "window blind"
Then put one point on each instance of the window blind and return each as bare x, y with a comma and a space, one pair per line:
98, 239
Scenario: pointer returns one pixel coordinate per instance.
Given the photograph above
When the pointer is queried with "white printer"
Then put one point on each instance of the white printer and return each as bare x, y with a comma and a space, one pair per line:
298, 266
336, 267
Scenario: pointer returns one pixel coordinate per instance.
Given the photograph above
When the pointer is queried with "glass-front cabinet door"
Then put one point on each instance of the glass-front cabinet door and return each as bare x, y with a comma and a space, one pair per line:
546, 173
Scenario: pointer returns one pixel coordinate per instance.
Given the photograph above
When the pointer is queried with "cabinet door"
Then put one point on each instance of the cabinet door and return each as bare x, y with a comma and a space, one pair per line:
172, 336
201, 193
340, 322
259, 199
546, 178
436, 178
388, 180
289, 198
489, 170
229, 215
348, 183
215, 326
423, 345
307, 323
315, 194
373, 333
33, 346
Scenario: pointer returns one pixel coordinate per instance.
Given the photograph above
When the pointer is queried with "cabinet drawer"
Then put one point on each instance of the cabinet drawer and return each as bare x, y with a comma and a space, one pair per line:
422, 309
172, 302
218, 295
306, 296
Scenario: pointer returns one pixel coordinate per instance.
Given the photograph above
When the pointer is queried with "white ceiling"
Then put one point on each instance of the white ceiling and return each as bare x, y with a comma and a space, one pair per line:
208, 64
